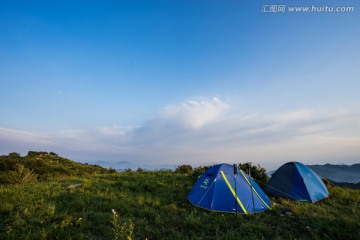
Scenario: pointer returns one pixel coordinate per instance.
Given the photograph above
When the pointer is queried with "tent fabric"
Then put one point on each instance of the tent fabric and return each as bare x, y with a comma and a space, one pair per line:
296, 181
219, 189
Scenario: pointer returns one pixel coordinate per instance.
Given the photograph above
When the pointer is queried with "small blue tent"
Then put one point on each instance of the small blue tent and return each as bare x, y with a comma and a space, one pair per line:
296, 181
220, 189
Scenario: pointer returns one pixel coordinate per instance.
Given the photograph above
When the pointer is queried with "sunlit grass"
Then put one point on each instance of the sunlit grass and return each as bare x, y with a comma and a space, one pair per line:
153, 205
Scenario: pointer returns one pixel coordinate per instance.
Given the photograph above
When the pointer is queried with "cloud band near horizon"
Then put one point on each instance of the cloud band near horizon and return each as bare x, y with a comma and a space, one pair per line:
206, 130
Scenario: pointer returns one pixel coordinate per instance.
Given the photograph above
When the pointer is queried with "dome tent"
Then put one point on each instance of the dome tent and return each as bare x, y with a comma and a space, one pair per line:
296, 181
220, 189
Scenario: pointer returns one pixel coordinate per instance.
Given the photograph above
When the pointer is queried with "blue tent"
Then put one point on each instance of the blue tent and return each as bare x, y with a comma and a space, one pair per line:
220, 189
296, 181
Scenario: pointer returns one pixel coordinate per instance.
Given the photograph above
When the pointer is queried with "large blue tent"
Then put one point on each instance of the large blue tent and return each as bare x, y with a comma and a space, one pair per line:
296, 181
220, 188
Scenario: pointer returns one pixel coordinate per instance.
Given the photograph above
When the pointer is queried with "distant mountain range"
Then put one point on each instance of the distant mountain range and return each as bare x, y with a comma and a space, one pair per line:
336, 173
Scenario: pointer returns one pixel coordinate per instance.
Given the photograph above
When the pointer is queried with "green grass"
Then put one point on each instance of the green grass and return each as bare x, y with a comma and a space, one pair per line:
153, 205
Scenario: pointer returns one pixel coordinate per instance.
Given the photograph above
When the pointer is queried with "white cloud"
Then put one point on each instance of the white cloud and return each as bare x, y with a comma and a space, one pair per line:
198, 131
175, 121
195, 112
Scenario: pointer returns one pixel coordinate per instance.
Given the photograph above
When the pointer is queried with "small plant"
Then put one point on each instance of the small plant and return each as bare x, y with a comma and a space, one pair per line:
21, 175
122, 231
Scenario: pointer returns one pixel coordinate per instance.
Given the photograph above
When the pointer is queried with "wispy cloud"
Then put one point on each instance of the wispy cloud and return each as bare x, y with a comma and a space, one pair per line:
203, 130
20, 136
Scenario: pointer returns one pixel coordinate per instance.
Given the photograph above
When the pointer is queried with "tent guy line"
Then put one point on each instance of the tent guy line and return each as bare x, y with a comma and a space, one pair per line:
254, 188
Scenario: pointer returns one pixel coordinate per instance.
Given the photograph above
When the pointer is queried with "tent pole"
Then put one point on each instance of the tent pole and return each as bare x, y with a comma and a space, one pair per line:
252, 193
235, 173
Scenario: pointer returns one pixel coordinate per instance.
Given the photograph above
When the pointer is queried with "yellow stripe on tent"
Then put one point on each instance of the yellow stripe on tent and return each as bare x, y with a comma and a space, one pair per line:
254, 190
233, 192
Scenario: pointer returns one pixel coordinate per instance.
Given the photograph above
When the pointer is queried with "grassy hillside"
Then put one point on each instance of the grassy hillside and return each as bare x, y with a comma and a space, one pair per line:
153, 205
45, 166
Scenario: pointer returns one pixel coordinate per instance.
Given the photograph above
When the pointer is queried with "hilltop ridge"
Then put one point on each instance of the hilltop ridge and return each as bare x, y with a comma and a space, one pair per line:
46, 165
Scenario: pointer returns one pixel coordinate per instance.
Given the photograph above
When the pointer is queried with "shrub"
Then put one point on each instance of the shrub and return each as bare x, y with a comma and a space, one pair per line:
35, 153
140, 170
21, 175
198, 171
128, 170
53, 154
14, 155
184, 169
258, 173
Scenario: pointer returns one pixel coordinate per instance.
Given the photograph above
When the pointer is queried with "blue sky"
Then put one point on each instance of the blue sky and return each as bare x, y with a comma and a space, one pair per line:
174, 82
